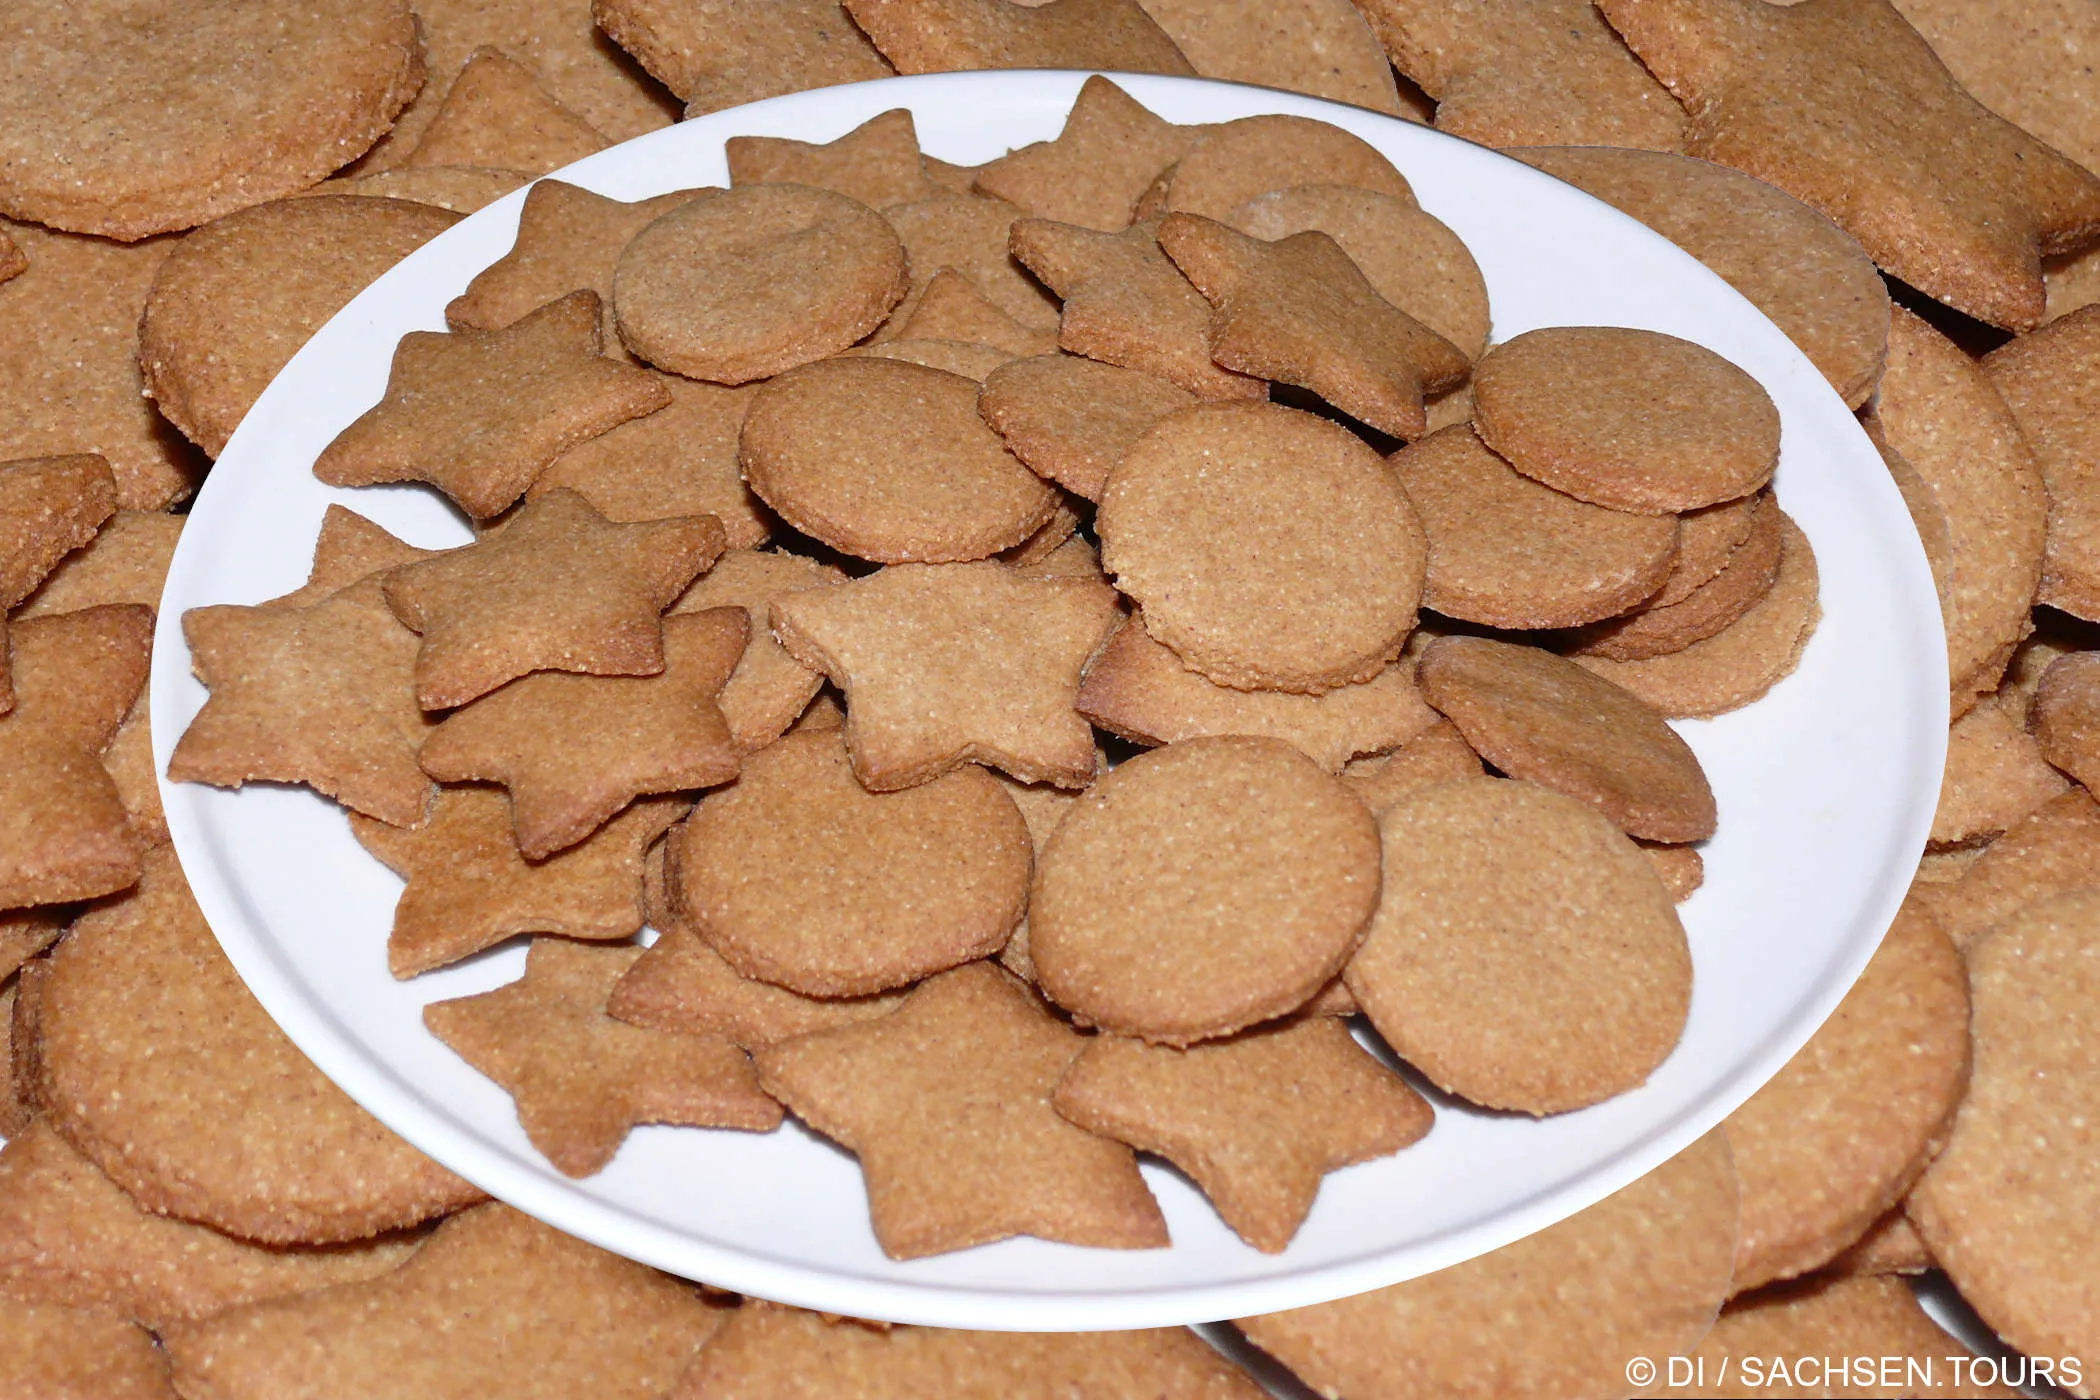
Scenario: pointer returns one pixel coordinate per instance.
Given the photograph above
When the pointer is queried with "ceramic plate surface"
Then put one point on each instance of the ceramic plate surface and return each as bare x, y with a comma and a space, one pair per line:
1826, 790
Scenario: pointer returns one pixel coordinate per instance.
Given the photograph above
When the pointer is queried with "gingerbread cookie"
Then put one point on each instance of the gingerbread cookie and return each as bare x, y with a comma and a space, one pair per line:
968, 234
1071, 419
2051, 382
719, 53
1270, 549
1996, 775
1109, 152
1439, 754
1232, 162
1200, 888
801, 877
58, 1353
2055, 850
1659, 627
945, 36
908, 1095
951, 307
2066, 717
461, 188
769, 688
496, 115
683, 986
1524, 955
126, 562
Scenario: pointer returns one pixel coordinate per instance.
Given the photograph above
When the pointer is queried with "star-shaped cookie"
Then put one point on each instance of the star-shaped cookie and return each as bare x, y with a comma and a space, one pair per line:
497, 117
1298, 310
469, 889
946, 664
947, 1104
63, 831
559, 588
877, 163
949, 36
1126, 304
1110, 151
568, 240
1527, 73
582, 1080
321, 693
479, 414
1256, 1119
574, 750
1841, 104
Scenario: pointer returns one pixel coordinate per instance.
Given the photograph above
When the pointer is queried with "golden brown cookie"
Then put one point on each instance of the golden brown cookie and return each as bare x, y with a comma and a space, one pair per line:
1542, 718
1514, 74
800, 876
1300, 312
1841, 104
2066, 716
1200, 888
1322, 47
1891, 1245
64, 833
177, 1132
1654, 1259
967, 233
573, 751
56, 1353
1524, 955
948, 664
320, 693
495, 115
951, 307
1657, 627
962, 357
1256, 1119
69, 1236
1138, 689
1438, 754
888, 460
49, 507
1742, 661
69, 373
569, 240
461, 188
1630, 419
495, 1304
2011, 1206
1269, 548
1996, 775
1071, 419
2054, 850
581, 1080
1940, 410
1838, 1135
2030, 71
1109, 152
769, 688
2051, 382
946, 1101
945, 36
1126, 303
126, 562
234, 301
560, 587
468, 888
720, 53
735, 285
1410, 257
1232, 162
253, 103
679, 460
480, 414
683, 986
1506, 551
1807, 274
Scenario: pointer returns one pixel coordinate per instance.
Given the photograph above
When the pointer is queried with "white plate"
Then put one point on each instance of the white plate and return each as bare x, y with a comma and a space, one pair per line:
1826, 791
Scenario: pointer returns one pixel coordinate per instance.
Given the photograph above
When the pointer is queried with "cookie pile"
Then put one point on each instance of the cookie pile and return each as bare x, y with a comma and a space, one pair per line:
700, 500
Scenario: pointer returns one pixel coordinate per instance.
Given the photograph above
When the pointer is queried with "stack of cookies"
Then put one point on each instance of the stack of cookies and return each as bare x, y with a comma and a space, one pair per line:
860, 599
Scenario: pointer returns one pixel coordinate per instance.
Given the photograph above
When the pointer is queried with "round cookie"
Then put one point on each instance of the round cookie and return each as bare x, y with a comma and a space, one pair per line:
1200, 888
1838, 1135
736, 285
2055, 850
1509, 552
2011, 1206
184, 1134
1410, 256
1543, 718
1629, 419
250, 100
2066, 716
1270, 549
1742, 661
800, 877
1072, 419
1234, 161
239, 296
1659, 628
1807, 274
1525, 955
888, 460
1706, 539
1554, 1316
